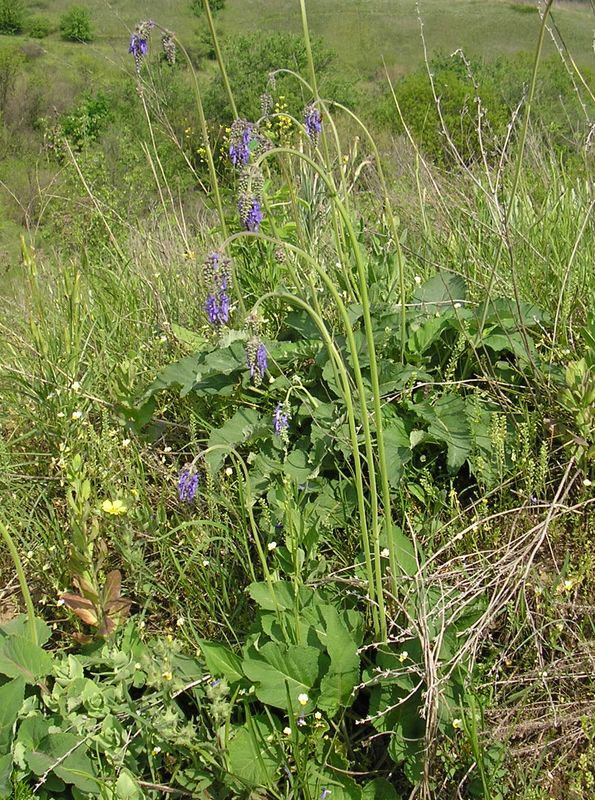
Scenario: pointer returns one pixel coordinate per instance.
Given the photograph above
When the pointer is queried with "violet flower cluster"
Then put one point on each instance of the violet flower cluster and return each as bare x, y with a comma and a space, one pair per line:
281, 417
188, 482
217, 274
239, 142
313, 123
256, 358
139, 42
250, 212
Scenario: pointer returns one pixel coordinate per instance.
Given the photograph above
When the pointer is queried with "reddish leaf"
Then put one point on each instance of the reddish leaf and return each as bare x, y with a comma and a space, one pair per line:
83, 608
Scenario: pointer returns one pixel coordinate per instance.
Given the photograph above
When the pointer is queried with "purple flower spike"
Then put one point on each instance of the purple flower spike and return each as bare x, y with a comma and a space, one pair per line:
239, 142
187, 485
251, 214
280, 420
261, 359
313, 123
256, 359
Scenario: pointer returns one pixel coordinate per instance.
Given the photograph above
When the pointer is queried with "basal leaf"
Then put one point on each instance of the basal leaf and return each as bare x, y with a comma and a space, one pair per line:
235, 431
280, 594
19, 626
280, 669
64, 754
252, 758
447, 422
397, 448
445, 287
19, 657
12, 695
221, 661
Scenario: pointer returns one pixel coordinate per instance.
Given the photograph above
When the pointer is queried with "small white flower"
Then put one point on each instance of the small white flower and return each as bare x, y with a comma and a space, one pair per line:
60, 414
457, 724
205, 562
303, 699
60, 602
76, 386
287, 731
417, 280
180, 621
587, 482
156, 750
229, 471
29, 553
385, 553
404, 656
317, 715
76, 414
272, 546
457, 305
125, 442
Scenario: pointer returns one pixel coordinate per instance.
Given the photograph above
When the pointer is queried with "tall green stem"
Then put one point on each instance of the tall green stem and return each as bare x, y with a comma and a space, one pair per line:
22, 582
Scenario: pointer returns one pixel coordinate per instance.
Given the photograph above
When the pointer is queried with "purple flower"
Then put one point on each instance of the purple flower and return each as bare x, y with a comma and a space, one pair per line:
281, 419
250, 212
256, 358
313, 123
217, 308
325, 793
217, 304
187, 485
239, 142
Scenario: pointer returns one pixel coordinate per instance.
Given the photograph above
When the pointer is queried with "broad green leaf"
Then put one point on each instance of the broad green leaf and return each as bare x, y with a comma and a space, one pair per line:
195, 341
252, 758
20, 657
19, 627
127, 787
448, 423
425, 333
341, 787
6, 765
32, 730
442, 288
397, 449
12, 695
182, 374
65, 754
281, 594
379, 789
235, 431
404, 550
221, 661
343, 674
296, 466
280, 669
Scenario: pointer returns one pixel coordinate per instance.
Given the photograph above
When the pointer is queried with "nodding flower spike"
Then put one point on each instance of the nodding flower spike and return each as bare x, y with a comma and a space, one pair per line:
187, 485
239, 142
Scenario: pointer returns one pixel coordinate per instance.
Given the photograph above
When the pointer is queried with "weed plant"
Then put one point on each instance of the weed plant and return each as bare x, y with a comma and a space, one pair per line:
303, 488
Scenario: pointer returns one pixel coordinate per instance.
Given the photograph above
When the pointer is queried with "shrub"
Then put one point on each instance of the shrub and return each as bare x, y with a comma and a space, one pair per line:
75, 25
215, 5
38, 27
12, 16
458, 110
250, 58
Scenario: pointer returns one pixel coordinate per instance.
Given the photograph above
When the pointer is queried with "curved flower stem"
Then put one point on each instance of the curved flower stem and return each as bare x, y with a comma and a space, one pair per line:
374, 577
391, 220
365, 301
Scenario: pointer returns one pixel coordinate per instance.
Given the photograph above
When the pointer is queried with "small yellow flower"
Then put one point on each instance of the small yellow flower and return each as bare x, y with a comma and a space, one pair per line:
404, 656
457, 724
167, 676
114, 507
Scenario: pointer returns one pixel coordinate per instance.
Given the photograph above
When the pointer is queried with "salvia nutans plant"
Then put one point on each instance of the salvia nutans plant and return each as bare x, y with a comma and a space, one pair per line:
330, 403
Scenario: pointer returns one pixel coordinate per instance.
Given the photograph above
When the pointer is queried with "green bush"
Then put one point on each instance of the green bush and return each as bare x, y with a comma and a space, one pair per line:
75, 25
458, 110
249, 59
215, 5
38, 27
12, 16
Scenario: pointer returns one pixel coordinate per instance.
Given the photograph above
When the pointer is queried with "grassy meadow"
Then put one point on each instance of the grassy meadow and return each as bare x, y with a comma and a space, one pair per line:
297, 402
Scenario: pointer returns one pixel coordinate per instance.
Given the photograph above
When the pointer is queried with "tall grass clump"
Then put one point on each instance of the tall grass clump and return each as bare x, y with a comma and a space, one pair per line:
302, 482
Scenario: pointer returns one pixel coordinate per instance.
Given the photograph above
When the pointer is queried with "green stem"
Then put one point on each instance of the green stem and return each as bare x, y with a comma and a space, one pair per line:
220, 61
22, 582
